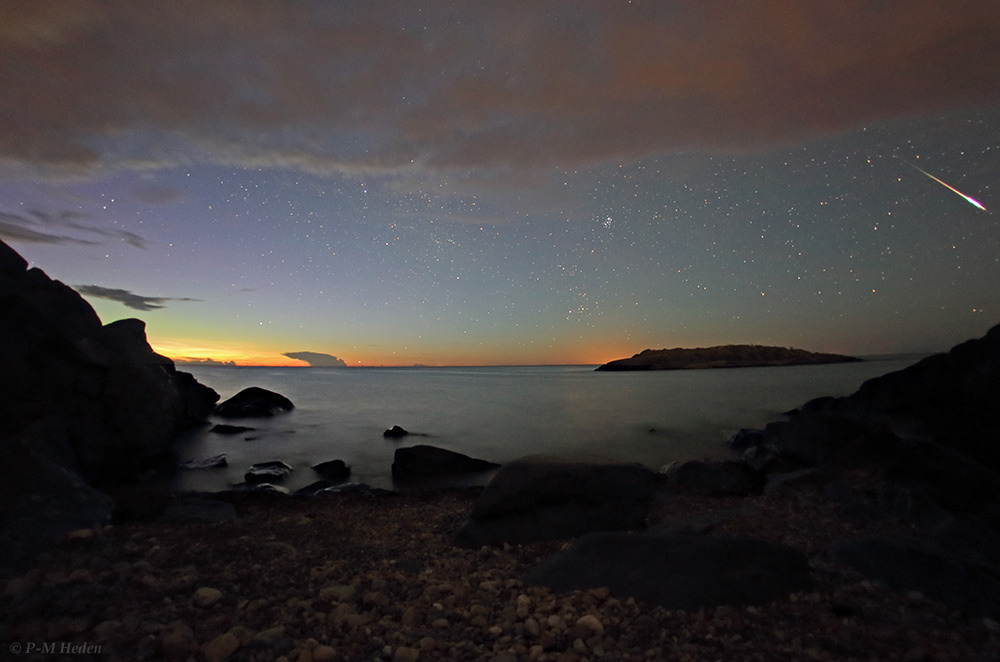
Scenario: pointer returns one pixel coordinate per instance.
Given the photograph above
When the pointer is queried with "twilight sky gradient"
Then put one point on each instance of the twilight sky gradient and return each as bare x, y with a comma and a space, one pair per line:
508, 182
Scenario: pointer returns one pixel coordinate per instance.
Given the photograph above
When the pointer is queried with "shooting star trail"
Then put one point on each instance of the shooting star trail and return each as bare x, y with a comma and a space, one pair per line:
971, 201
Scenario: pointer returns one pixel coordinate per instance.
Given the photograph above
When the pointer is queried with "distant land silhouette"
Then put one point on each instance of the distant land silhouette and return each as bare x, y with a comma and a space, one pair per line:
722, 356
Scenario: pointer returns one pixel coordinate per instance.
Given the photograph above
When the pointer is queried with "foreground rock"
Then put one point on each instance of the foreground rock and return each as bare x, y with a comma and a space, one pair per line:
85, 404
723, 356
677, 571
913, 565
544, 498
254, 402
275, 471
333, 470
422, 462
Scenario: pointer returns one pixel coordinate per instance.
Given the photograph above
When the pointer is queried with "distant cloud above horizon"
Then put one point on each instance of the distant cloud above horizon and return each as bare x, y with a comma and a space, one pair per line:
205, 362
317, 359
126, 298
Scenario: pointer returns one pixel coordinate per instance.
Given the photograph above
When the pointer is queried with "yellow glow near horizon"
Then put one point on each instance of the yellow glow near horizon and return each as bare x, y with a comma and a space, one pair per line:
196, 352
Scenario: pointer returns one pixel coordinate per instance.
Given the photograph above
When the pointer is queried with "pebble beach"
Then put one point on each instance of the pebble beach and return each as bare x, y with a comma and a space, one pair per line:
377, 577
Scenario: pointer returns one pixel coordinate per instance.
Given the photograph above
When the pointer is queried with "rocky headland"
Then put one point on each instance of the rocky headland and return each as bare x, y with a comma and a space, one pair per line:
85, 404
856, 528
722, 356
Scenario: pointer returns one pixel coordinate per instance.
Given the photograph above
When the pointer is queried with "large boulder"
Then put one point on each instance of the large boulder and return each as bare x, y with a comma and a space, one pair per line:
84, 403
546, 498
677, 571
423, 462
254, 402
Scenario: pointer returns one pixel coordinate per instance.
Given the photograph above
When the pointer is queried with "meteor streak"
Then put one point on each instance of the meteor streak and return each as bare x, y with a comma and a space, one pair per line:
971, 201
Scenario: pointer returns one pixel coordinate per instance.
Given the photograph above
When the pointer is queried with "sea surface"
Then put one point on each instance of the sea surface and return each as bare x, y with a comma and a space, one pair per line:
503, 413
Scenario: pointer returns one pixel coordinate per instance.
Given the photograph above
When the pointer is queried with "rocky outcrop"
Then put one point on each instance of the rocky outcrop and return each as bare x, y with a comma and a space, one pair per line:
546, 498
950, 398
254, 402
928, 433
422, 462
677, 571
723, 356
84, 403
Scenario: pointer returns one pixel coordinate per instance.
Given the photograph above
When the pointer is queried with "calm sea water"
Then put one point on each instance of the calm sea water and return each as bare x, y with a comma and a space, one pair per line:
502, 413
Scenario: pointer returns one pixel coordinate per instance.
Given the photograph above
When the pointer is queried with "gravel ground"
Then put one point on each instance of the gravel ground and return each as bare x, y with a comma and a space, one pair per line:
354, 577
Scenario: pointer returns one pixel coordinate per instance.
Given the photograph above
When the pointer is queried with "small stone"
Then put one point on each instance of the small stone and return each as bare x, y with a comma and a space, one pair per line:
207, 596
591, 622
536, 652
221, 647
339, 592
406, 654
323, 653
556, 622
531, 627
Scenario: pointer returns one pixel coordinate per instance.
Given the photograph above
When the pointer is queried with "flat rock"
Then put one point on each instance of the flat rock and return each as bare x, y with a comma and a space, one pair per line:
211, 462
677, 571
254, 402
910, 565
226, 429
544, 498
267, 472
423, 461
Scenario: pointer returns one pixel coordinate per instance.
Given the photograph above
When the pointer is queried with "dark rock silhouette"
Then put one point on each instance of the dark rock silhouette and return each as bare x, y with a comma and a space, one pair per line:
254, 402
714, 478
545, 498
225, 428
395, 432
722, 356
334, 470
211, 462
422, 462
677, 571
950, 398
913, 565
84, 404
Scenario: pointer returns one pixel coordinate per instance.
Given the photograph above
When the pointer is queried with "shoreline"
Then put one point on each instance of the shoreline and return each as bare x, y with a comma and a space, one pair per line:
357, 576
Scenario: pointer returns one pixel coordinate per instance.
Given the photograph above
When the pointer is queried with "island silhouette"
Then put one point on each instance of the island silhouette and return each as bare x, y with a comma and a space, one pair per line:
722, 356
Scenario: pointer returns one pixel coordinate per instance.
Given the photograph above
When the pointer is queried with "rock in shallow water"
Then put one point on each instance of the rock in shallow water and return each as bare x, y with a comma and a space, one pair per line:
254, 402
267, 472
677, 571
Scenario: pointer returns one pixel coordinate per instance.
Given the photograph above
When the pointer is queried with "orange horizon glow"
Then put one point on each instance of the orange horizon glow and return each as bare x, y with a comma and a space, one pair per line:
187, 352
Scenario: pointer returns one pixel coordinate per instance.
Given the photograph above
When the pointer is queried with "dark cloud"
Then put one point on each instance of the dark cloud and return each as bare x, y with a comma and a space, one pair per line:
126, 298
14, 227
317, 359
366, 87
42, 227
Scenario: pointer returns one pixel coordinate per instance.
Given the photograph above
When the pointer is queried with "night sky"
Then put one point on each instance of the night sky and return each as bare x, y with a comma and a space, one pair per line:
509, 182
